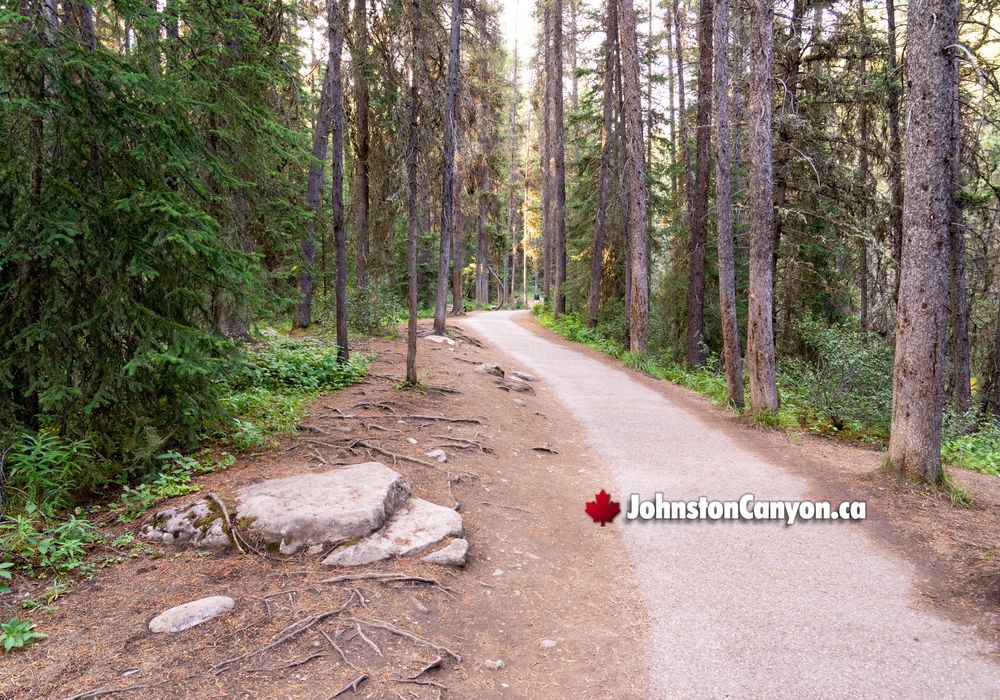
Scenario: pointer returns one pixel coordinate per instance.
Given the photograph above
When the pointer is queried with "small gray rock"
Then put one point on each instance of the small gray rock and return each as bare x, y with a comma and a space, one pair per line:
490, 368
494, 665
524, 376
200, 525
514, 385
439, 454
191, 614
452, 555
519, 403
439, 339
548, 643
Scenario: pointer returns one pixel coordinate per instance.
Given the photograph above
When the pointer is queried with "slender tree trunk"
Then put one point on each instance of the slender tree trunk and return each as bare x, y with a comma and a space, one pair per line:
457, 247
511, 196
671, 112
483, 244
337, 17
918, 379
411, 166
682, 110
724, 212
607, 124
635, 176
760, 322
699, 201
864, 176
546, 133
623, 145
575, 89
996, 366
559, 134
960, 380
524, 225
649, 101
447, 187
361, 140
895, 145
789, 95
739, 100
314, 195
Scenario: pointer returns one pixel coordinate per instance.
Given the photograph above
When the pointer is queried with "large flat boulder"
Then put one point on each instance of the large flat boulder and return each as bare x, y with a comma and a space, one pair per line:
322, 509
415, 527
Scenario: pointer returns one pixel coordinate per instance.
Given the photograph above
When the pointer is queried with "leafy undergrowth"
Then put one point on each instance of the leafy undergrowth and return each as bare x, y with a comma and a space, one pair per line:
843, 390
45, 531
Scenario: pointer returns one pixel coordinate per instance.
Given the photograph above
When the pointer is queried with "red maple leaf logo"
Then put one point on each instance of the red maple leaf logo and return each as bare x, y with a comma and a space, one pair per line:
602, 509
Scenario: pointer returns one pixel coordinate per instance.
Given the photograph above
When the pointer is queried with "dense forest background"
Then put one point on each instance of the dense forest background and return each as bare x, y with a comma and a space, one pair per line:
180, 178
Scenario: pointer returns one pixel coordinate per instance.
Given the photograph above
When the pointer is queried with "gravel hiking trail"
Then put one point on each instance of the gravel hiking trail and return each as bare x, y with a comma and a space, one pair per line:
816, 609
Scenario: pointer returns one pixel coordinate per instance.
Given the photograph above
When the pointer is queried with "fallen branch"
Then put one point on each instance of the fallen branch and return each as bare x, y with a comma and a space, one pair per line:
229, 523
283, 637
376, 426
352, 686
410, 416
98, 692
387, 578
501, 505
397, 455
420, 682
466, 442
291, 664
436, 663
406, 634
375, 404
367, 640
337, 648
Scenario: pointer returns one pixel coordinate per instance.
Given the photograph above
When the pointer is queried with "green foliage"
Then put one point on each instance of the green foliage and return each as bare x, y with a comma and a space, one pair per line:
376, 311
139, 198
845, 381
173, 477
17, 633
44, 545
296, 366
5, 575
978, 451
45, 470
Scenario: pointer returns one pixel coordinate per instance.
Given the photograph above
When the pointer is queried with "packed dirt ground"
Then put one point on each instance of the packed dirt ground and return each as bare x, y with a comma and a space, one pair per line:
545, 591
547, 605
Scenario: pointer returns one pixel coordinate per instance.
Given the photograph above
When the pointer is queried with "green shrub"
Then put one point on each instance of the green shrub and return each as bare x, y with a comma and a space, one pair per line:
46, 471
295, 365
54, 546
846, 384
5, 575
174, 477
376, 311
978, 451
17, 633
